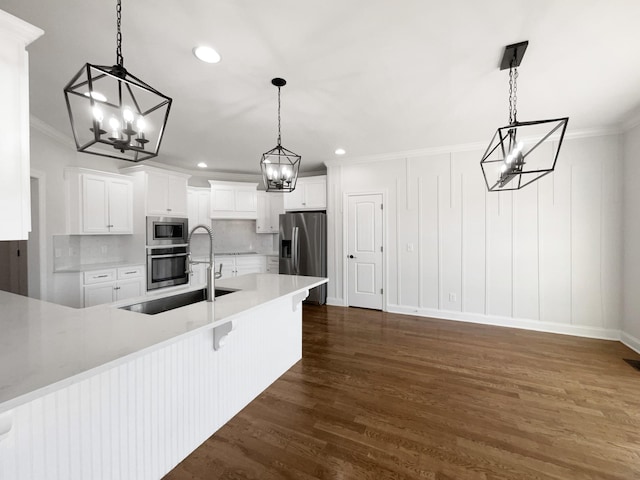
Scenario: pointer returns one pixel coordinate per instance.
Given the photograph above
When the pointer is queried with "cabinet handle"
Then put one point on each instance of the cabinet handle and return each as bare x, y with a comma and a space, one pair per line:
130, 273
168, 209
116, 288
100, 276
110, 226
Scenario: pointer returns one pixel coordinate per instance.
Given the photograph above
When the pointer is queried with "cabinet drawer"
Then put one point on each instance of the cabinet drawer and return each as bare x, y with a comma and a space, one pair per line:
250, 261
130, 272
99, 276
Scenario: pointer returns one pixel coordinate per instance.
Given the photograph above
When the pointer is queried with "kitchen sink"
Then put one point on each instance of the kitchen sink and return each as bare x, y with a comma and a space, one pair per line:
159, 305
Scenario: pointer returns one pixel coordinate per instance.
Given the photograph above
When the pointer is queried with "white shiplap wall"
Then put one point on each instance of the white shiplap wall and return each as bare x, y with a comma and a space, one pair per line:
547, 257
141, 418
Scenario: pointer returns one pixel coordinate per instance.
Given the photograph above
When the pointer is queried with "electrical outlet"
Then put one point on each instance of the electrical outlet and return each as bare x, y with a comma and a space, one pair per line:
409, 247
452, 297
103, 249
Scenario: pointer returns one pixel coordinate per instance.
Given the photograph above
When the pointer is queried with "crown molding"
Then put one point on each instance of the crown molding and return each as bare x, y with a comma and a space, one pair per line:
464, 147
16, 26
51, 132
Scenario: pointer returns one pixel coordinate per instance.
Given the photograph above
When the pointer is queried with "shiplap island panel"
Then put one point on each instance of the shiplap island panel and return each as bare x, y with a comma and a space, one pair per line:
106, 393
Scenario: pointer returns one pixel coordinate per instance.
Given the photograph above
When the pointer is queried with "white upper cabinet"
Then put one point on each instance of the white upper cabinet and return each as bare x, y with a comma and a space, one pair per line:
199, 206
15, 202
233, 199
98, 202
270, 206
310, 194
163, 192
166, 194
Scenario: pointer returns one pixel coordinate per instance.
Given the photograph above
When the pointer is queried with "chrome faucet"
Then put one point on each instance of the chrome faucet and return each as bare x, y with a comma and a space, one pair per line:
210, 274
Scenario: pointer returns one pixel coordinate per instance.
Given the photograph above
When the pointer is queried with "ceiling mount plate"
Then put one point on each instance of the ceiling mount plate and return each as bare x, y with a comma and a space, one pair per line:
513, 55
279, 82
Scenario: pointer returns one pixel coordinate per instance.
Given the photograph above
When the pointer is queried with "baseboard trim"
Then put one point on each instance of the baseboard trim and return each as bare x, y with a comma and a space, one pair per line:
335, 302
630, 341
525, 324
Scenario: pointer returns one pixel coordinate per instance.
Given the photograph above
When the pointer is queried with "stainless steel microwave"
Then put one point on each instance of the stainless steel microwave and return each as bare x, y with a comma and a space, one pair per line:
167, 231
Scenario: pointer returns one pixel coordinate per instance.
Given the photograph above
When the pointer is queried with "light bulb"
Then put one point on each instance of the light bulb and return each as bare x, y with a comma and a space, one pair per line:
114, 123
98, 115
142, 124
503, 168
509, 159
127, 114
520, 146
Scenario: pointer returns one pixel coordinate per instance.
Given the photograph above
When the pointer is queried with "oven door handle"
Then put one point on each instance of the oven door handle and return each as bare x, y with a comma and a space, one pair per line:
169, 255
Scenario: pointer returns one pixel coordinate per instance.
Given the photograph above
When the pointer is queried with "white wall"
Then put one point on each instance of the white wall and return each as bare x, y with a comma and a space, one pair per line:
547, 257
631, 317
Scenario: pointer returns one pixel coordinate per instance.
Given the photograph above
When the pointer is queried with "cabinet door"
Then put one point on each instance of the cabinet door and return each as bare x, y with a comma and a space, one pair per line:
98, 294
294, 200
276, 207
129, 288
157, 193
192, 208
176, 196
228, 266
95, 204
204, 208
263, 212
120, 206
315, 194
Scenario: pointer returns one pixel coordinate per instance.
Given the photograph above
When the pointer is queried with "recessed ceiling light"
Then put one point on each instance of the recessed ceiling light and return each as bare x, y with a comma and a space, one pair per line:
202, 165
340, 151
206, 54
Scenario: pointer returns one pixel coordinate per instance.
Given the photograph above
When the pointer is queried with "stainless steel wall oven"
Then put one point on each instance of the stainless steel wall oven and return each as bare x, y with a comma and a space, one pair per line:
166, 266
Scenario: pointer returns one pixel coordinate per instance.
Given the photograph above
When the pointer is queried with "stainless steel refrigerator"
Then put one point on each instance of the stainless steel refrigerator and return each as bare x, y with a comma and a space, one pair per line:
303, 248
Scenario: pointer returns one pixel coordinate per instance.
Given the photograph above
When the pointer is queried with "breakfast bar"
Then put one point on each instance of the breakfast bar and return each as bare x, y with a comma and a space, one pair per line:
104, 392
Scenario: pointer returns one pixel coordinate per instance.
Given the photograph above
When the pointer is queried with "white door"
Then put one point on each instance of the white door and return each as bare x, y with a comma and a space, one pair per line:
364, 251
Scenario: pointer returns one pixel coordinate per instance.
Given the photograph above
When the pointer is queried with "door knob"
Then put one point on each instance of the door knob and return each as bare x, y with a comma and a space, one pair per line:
351, 256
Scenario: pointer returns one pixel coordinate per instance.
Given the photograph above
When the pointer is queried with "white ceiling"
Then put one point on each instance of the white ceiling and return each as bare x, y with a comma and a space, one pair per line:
371, 76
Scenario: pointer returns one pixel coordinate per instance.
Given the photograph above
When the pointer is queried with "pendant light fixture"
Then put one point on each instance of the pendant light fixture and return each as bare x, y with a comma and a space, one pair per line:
521, 152
113, 113
279, 165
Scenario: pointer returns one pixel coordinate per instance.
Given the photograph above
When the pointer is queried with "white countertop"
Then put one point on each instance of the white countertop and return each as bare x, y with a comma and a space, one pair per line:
97, 266
44, 346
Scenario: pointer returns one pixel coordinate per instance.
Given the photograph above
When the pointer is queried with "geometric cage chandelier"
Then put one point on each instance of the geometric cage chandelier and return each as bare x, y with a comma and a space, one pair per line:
113, 113
521, 152
279, 165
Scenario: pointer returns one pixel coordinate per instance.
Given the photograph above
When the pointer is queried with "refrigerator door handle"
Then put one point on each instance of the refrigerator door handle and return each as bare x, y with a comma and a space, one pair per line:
295, 251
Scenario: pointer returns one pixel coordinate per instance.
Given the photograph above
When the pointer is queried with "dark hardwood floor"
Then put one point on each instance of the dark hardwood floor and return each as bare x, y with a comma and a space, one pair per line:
380, 396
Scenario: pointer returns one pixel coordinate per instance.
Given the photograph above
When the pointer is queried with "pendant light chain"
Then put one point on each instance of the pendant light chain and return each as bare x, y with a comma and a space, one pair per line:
279, 135
119, 57
513, 94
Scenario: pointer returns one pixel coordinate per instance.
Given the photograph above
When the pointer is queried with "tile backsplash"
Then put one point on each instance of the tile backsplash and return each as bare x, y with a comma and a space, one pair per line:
235, 236
71, 251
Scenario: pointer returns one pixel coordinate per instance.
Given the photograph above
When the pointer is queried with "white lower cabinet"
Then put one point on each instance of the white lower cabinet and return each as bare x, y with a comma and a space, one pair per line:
113, 284
236, 265
273, 264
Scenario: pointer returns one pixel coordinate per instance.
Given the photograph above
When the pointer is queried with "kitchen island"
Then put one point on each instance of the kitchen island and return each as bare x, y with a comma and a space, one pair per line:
103, 392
